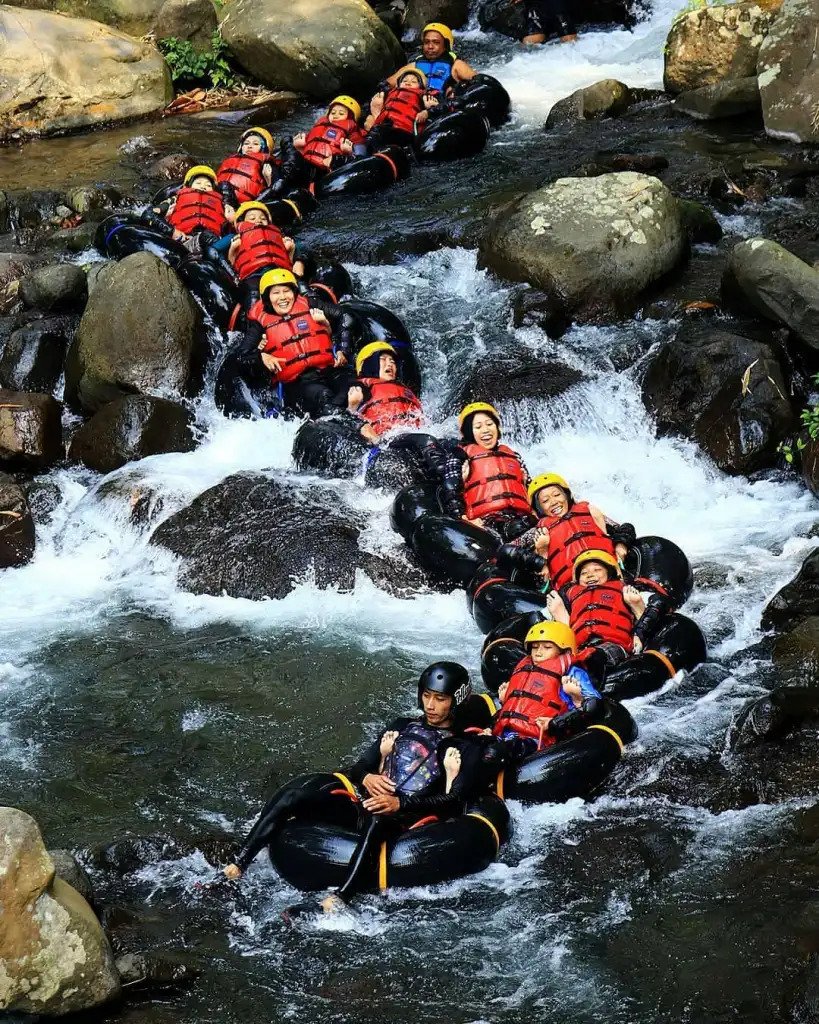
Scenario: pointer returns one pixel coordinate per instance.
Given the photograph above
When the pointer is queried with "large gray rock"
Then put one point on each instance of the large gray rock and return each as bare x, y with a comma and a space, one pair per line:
132, 428
30, 429
798, 600
606, 98
724, 391
34, 355
56, 287
318, 47
246, 537
59, 73
16, 525
716, 43
731, 98
138, 334
193, 20
777, 284
511, 377
789, 73
589, 243
54, 956
132, 16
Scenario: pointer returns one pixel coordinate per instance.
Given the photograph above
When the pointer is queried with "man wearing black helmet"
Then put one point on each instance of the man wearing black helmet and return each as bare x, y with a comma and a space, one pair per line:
416, 768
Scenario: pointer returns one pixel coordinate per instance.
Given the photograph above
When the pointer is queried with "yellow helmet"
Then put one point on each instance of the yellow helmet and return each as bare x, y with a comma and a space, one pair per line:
254, 205
263, 134
349, 103
546, 480
442, 30
594, 555
278, 276
370, 350
200, 171
411, 69
554, 633
477, 407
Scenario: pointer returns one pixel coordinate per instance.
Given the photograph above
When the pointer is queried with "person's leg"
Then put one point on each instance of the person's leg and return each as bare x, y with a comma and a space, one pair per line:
535, 33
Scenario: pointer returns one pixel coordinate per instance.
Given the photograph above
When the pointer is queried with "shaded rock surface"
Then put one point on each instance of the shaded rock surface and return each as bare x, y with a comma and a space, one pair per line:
246, 537
798, 600
59, 73
511, 377
192, 20
777, 284
725, 391
724, 99
606, 98
125, 345
16, 525
60, 286
588, 243
132, 428
318, 47
55, 957
30, 429
451, 12
33, 357
788, 70
712, 44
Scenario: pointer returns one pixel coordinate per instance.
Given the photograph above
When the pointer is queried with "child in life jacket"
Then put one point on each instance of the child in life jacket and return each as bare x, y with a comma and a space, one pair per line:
334, 138
485, 482
601, 609
545, 687
250, 170
378, 396
259, 246
197, 209
397, 114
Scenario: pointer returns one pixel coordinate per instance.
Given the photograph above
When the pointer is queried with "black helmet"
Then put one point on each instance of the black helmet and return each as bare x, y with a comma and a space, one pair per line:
446, 677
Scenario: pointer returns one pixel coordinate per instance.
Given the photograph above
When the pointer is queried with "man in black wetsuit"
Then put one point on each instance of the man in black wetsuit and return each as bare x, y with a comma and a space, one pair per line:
416, 768
545, 18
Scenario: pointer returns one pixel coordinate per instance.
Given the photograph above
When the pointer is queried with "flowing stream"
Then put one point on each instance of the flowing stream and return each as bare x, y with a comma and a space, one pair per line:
130, 707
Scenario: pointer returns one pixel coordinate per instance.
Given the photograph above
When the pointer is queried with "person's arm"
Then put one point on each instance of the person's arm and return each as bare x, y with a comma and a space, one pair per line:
233, 243
252, 338
462, 72
517, 556
649, 622
339, 328
452, 497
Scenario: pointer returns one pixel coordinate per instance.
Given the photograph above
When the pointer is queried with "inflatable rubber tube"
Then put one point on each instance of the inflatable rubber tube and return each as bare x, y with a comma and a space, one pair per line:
451, 550
411, 505
331, 280
658, 561
576, 767
313, 855
366, 175
678, 645
487, 96
455, 136
496, 598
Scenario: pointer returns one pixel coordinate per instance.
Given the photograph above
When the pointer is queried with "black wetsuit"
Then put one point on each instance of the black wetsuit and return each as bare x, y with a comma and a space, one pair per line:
548, 18
416, 766
506, 525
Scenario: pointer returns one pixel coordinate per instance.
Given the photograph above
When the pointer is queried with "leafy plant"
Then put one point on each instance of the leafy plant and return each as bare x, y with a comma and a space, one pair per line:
211, 67
810, 423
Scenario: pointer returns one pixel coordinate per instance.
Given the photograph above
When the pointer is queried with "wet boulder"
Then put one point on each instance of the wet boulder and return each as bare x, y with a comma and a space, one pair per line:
246, 537
131, 16
59, 73
191, 20
777, 284
606, 98
796, 653
798, 600
54, 954
726, 392
511, 377
33, 357
699, 222
30, 429
771, 717
732, 98
714, 43
125, 344
16, 525
318, 47
67, 867
789, 73
451, 12
590, 244
60, 286
132, 428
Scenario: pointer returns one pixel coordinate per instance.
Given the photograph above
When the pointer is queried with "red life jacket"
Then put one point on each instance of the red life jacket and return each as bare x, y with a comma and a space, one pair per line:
296, 339
244, 172
496, 482
325, 137
390, 405
198, 211
570, 536
600, 613
401, 107
260, 246
533, 692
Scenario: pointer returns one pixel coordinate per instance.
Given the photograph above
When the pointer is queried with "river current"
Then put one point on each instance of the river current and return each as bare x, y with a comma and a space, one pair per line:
130, 707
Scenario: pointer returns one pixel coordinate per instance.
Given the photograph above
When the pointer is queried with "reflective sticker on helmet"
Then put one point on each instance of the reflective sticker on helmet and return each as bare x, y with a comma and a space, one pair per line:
462, 693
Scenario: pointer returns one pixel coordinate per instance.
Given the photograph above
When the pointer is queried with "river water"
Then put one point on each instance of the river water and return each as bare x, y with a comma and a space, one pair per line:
128, 707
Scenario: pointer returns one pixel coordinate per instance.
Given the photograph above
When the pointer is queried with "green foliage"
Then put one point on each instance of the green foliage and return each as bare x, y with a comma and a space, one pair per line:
810, 423
211, 68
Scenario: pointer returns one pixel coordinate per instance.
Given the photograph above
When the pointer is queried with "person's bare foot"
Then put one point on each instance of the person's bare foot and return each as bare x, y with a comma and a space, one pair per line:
452, 765
569, 39
333, 904
232, 871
